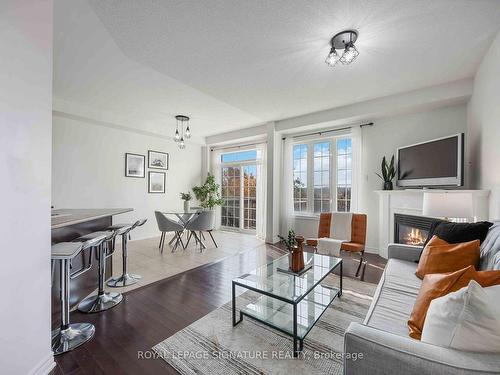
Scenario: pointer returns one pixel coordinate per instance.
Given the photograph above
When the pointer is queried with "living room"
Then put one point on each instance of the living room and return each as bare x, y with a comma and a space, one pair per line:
251, 187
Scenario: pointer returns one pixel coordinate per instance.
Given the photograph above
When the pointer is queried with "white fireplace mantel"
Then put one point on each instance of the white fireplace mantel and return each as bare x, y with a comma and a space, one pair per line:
410, 202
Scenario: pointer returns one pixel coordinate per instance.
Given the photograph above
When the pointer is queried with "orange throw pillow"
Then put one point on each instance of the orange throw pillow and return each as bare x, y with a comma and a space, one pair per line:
440, 256
438, 285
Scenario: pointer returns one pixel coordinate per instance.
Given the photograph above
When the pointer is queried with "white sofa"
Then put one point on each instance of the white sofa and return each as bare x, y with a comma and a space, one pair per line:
383, 337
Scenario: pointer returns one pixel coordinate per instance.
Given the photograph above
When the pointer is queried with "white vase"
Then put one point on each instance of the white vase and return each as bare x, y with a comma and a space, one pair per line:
186, 206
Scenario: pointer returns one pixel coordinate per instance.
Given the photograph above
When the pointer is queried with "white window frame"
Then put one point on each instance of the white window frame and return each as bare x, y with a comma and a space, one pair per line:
310, 173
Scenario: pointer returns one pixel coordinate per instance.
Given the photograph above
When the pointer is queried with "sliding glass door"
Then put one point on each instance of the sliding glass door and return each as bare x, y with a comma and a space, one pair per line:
249, 196
231, 193
239, 191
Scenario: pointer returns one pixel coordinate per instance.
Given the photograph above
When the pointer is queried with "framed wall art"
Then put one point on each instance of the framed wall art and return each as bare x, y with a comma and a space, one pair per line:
157, 160
156, 182
135, 165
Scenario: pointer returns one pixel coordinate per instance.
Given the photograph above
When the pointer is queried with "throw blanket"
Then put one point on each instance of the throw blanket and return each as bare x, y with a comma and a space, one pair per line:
329, 246
340, 231
340, 228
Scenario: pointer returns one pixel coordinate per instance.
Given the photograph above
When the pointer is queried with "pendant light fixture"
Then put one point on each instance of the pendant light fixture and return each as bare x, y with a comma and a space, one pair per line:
179, 136
343, 48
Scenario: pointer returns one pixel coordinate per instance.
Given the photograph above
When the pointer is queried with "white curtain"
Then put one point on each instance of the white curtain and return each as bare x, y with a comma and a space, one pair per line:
357, 178
261, 190
287, 183
215, 170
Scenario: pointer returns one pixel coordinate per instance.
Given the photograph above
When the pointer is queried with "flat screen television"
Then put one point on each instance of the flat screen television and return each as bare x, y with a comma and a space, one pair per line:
439, 162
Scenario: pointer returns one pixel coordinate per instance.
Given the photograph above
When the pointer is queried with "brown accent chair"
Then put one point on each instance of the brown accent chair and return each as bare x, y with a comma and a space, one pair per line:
358, 235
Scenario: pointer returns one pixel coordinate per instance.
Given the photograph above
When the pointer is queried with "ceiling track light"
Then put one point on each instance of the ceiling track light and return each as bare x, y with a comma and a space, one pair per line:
343, 48
184, 133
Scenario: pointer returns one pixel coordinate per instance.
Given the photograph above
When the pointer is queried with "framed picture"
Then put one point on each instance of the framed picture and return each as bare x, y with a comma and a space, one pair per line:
157, 160
135, 165
156, 182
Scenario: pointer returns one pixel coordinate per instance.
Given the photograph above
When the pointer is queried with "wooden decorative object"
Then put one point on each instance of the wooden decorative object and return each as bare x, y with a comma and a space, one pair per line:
297, 263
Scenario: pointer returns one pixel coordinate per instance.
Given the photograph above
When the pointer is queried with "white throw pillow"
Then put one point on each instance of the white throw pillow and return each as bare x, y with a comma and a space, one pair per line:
468, 319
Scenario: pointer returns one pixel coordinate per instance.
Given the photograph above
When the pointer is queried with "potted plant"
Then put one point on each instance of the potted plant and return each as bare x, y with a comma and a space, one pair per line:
388, 173
293, 244
208, 194
186, 197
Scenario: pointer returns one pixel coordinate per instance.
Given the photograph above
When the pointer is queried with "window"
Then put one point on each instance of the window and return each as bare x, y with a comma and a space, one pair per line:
344, 174
239, 156
250, 196
300, 177
322, 176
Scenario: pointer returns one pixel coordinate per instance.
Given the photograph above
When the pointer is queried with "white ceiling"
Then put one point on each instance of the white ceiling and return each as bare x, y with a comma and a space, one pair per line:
236, 63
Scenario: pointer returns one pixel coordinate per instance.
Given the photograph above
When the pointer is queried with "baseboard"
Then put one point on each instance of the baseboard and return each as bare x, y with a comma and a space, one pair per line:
274, 240
44, 367
372, 250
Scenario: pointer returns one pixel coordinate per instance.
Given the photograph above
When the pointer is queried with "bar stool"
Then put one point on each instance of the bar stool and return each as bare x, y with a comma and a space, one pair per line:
125, 279
103, 300
69, 336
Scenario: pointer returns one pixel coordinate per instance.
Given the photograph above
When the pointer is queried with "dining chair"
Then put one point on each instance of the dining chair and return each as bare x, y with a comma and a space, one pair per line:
203, 222
166, 225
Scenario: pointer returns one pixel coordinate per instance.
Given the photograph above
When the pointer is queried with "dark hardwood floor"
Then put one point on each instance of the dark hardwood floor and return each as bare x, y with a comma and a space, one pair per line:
154, 312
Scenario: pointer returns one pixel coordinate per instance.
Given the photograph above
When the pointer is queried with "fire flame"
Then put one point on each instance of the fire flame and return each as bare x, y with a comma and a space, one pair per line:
414, 237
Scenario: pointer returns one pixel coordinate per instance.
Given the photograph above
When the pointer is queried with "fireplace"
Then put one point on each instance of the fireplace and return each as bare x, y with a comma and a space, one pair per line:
411, 230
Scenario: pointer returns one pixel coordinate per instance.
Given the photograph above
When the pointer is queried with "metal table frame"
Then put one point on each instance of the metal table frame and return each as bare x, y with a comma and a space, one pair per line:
179, 215
296, 339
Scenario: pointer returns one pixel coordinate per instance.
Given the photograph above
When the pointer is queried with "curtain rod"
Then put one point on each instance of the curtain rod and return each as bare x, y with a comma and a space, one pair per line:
329, 131
237, 146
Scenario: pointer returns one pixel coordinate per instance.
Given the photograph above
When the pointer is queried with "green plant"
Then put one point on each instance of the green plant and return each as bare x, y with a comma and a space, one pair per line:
388, 170
186, 196
208, 193
290, 241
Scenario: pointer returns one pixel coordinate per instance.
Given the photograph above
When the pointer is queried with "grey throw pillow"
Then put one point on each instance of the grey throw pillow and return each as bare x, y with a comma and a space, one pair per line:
490, 249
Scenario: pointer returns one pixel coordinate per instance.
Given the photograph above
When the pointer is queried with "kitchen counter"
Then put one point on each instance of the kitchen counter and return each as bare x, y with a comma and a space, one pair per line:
66, 217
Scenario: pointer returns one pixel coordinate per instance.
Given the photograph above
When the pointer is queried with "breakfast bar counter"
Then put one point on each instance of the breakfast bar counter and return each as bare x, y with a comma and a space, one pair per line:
65, 217
67, 225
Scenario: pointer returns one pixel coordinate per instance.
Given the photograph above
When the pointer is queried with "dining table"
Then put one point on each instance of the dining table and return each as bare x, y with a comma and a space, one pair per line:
184, 217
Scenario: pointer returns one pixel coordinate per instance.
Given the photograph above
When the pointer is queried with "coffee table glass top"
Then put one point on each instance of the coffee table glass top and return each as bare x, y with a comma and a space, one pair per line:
268, 280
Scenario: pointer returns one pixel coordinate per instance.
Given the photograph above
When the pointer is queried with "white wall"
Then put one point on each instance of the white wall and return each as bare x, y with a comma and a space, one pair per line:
382, 139
88, 171
483, 114
25, 123
388, 134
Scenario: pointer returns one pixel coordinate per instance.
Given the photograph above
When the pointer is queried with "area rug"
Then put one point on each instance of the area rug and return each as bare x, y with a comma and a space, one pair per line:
212, 345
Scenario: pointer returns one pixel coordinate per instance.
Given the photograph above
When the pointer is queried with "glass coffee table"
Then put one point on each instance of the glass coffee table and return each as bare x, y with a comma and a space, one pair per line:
288, 303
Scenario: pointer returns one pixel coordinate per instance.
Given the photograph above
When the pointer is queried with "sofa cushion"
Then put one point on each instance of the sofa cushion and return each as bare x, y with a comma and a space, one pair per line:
351, 246
458, 232
490, 249
462, 232
440, 256
394, 298
432, 229
436, 285
465, 320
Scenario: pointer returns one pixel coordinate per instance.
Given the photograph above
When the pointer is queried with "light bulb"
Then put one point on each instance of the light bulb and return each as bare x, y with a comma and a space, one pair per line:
177, 137
350, 54
187, 134
182, 145
333, 58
